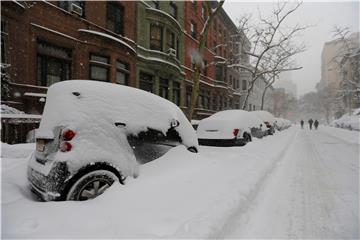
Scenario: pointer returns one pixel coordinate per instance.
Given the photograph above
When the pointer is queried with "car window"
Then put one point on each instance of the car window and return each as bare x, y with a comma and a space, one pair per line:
152, 144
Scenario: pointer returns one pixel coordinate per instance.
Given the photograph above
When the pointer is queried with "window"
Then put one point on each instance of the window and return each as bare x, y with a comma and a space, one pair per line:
205, 68
156, 36
147, 82
218, 73
193, 29
115, 17
170, 40
188, 96
99, 68
164, 88
214, 102
4, 35
122, 73
203, 11
244, 85
53, 64
77, 7
154, 4
193, 64
176, 93
173, 10
193, 3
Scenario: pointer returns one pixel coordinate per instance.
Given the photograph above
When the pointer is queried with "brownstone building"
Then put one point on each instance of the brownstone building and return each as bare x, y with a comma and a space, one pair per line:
219, 85
45, 42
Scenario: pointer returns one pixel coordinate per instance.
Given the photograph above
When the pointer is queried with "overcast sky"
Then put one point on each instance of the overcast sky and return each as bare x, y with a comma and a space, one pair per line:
322, 14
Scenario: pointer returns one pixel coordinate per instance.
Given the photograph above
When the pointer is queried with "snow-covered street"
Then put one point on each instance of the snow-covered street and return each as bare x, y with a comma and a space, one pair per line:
295, 184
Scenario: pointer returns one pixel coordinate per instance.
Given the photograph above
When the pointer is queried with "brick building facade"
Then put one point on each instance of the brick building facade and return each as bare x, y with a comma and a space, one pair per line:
149, 45
46, 42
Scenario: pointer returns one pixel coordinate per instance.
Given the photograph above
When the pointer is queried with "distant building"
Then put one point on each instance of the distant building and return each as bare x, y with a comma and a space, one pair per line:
285, 81
340, 68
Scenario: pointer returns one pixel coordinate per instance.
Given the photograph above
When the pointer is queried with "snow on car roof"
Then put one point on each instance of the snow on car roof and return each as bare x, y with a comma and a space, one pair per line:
265, 116
74, 103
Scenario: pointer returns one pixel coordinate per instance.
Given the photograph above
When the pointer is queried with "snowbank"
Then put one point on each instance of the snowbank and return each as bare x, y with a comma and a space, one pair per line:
179, 195
348, 121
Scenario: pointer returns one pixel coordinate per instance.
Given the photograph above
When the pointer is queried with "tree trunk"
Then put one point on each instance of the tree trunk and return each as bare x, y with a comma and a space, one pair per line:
263, 98
202, 40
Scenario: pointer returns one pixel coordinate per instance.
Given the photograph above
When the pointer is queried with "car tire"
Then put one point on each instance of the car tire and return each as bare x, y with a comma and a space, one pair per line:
91, 185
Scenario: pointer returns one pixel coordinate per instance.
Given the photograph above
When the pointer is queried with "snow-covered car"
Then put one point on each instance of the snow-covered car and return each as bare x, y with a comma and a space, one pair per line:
268, 119
228, 128
93, 133
282, 124
348, 121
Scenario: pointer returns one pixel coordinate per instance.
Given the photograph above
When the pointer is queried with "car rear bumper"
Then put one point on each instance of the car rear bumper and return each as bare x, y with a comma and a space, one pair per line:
51, 186
222, 142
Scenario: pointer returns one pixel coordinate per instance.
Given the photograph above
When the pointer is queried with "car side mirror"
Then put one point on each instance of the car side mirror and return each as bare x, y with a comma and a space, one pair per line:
174, 123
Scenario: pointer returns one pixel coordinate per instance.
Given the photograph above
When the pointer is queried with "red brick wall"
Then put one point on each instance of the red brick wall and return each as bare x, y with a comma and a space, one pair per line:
21, 42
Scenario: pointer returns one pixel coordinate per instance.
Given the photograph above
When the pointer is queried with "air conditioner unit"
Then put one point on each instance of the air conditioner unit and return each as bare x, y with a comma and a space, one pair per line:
171, 52
76, 9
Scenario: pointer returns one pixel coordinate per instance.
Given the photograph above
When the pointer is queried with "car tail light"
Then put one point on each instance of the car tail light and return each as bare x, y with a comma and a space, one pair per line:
235, 132
65, 147
68, 134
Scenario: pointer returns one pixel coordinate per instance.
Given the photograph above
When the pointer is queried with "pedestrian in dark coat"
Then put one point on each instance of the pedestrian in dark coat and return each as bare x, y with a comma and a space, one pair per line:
310, 123
316, 124
302, 124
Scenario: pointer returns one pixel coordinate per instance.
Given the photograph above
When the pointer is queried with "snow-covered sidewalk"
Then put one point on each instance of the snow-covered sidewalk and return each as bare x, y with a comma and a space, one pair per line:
220, 192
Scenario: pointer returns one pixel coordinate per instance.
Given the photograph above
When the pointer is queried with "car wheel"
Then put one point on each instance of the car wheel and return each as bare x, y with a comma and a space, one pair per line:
91, 185
247, 137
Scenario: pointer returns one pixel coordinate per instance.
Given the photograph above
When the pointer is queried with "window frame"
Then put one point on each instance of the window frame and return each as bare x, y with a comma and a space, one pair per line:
159, 41
115, 12
125, 71
105, 65
44, 57
173, 7
151, 81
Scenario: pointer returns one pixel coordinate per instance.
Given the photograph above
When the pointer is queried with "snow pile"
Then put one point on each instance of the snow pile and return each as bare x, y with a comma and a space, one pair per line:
281, 124
5, 109
16, 150
221, 124
92, 108
219, 193
348, 121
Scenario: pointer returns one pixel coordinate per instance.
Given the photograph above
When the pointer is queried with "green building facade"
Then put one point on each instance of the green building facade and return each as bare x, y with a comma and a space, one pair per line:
160, 41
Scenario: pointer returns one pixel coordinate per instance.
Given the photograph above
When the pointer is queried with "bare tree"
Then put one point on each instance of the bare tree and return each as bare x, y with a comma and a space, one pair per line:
198, 61
347, 60
272, 47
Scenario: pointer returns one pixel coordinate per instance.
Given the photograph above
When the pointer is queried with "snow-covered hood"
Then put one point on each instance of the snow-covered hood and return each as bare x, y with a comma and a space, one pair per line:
222, 124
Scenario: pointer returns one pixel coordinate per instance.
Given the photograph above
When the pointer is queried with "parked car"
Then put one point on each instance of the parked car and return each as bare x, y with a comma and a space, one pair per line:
282, 124
93, 133
268, 119
228, 128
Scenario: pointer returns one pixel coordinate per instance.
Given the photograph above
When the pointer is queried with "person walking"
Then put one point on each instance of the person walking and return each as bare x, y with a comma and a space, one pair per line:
310, 123
302, 124
316, 124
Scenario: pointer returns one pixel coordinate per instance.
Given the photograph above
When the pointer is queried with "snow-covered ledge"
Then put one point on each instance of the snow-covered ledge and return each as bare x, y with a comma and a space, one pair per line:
101, 34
